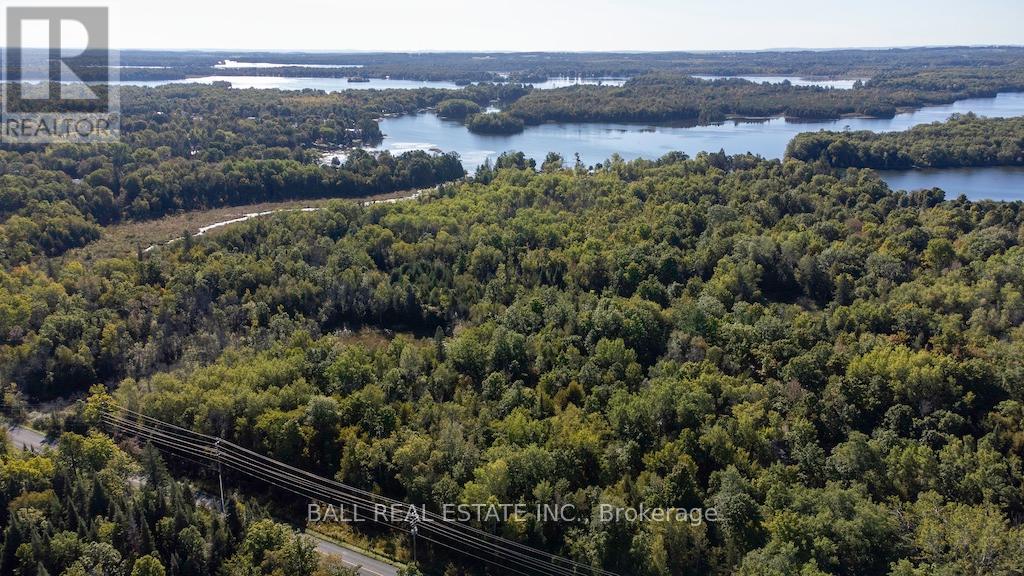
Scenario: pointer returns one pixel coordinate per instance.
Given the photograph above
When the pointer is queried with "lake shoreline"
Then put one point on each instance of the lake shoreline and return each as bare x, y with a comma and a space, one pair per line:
596, 142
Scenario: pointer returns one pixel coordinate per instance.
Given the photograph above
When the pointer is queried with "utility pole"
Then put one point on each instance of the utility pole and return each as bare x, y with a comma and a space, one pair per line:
414, 530
220, 479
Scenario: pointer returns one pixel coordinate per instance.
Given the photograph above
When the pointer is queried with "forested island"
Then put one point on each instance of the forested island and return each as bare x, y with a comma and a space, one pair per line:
494, 123
676, 97
963, 141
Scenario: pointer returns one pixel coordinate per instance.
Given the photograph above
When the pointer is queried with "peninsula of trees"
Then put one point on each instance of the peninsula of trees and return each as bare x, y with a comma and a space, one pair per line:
963, 141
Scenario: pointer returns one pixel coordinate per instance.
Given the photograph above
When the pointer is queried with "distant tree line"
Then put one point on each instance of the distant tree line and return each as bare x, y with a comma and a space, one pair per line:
675, 97
538, 66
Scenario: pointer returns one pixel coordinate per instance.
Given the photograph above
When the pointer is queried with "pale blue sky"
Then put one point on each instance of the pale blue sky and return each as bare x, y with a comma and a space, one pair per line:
403, 25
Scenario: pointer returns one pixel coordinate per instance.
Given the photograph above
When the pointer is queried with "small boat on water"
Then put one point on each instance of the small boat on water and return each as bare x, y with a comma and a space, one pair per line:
358, 79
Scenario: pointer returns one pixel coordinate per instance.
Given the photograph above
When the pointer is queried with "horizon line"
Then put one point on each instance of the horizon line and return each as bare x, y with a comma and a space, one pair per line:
608, 51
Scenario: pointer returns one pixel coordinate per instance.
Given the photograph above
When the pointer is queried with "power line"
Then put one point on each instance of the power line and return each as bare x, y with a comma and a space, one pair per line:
288, 482
304, 487
441, 531
179, 441
497, 545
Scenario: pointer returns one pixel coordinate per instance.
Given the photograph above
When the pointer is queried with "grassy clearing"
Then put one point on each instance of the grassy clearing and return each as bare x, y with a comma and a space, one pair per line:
127, 238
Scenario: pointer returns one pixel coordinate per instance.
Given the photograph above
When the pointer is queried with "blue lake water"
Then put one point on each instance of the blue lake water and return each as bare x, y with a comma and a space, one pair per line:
564, 81
285, 83
996, 183
842, 83
228, 64
342, 84
596, 142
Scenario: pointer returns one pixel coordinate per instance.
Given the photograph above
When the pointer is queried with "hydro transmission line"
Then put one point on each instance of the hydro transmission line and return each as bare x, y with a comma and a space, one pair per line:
216, 453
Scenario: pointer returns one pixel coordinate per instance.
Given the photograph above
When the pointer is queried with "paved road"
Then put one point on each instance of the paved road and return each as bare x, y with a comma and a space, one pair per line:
368, 566
21, 437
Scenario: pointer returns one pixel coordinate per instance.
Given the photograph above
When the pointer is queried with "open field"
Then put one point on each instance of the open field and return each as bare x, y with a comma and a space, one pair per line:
129, 237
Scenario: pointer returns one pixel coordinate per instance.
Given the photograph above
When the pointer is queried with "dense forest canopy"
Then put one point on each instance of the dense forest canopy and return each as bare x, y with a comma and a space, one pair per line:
457, 108
835, 366
87, 507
